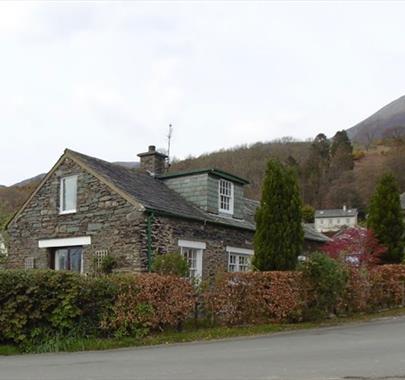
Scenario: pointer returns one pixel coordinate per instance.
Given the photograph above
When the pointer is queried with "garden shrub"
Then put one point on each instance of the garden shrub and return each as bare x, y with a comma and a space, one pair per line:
170, 264
326, 280
147, 302
36, 305
108, 264
255, 297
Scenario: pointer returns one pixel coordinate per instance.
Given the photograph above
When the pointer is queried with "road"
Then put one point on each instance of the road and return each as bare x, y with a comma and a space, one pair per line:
371, 350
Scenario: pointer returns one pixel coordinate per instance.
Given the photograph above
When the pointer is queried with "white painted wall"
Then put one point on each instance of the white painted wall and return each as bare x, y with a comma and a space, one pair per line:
333, 224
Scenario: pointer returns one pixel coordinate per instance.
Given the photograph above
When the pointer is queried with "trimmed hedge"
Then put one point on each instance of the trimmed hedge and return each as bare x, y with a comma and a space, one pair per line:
47, 307
148, 302
256, 297
37, 306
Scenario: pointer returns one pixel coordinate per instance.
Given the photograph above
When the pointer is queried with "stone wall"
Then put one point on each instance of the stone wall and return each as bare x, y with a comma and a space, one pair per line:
167, 232
112, 223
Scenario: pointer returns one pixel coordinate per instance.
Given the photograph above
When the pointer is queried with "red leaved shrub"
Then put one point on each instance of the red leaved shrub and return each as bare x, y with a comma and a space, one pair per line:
147, 302
256, 297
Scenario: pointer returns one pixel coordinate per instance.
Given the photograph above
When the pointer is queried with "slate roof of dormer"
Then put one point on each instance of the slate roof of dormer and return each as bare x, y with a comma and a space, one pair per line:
214, 172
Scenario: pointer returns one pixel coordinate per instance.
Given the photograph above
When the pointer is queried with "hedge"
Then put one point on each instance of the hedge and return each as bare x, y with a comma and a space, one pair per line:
147, 302
256, 297
37, 306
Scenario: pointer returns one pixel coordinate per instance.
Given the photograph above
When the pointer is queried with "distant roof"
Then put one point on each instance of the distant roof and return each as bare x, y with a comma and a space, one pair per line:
310, 233
214, 172
403, 201
336, 213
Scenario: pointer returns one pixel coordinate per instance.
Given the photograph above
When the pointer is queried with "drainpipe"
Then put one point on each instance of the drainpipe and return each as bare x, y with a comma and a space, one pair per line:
151, 218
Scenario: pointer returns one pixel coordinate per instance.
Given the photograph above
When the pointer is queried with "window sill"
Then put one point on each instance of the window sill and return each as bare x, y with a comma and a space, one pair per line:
67, 212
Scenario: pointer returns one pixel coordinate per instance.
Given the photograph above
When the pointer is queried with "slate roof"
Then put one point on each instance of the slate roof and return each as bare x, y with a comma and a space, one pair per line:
310, 233
335, 213
214, 172
154, 195
403, 201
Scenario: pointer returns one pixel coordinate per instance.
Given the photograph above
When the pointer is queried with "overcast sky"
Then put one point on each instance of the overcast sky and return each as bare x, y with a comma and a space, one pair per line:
106, 79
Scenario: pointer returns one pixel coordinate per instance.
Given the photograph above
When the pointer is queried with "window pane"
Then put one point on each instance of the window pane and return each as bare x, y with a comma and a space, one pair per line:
69, 193
225, 195
190, 254
61, 259
232, 263
75, 259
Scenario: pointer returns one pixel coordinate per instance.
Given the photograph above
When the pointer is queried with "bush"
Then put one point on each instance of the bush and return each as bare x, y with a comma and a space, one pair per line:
108, 264
147, 302
36, 305
45, 308
326, 280
256, 297
170, 264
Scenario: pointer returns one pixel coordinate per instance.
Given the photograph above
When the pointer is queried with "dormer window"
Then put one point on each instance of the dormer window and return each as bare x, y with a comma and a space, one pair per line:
68, 195
225, 196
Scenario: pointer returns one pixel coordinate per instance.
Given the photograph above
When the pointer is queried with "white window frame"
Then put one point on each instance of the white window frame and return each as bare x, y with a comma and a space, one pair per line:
238, 253
62, 195
198, 248
231, 196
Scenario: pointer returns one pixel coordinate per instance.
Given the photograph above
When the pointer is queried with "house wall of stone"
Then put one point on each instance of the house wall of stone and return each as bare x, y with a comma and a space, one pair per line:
167, 232
112, 223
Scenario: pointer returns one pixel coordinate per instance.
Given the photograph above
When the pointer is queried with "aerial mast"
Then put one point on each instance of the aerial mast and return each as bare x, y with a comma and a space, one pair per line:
169, 138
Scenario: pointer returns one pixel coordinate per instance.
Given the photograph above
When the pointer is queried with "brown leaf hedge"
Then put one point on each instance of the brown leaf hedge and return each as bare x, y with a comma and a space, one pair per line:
36, 306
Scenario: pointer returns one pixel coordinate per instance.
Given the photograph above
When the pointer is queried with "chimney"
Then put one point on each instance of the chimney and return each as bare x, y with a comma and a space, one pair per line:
153, 161
344, 208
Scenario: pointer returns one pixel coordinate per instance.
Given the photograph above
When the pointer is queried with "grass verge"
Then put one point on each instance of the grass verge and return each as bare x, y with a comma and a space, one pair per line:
192, 333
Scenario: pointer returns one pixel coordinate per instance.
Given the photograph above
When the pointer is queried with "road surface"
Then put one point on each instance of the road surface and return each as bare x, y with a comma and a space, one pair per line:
372, 350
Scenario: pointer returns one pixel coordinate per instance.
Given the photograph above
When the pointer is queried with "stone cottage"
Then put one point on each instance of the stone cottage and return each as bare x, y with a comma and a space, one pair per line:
86, 208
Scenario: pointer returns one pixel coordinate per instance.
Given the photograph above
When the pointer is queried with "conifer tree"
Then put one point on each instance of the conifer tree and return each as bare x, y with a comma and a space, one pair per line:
385, 218
341, 153
279, 234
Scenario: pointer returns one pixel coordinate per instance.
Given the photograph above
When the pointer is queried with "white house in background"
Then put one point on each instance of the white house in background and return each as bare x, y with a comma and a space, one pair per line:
335, 219
403, 201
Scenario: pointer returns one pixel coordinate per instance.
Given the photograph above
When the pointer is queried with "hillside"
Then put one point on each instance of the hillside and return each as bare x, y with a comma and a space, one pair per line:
352, 187
248, 161
388, 122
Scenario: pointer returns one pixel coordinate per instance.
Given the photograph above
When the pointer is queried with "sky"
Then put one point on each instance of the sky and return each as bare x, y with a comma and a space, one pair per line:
107, 78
